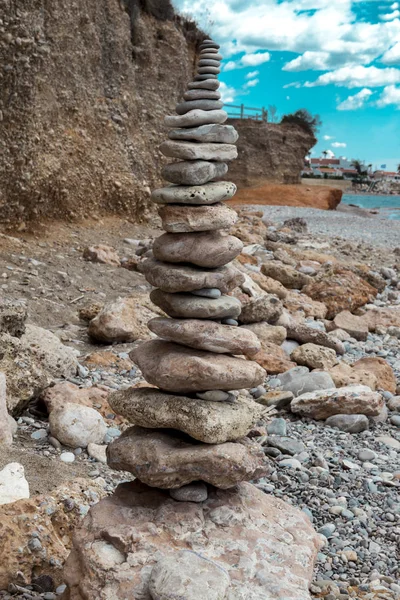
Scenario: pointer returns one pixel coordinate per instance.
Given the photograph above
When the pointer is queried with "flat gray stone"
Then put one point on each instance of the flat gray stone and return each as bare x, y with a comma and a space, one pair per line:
204, 77
208, 62
206, 84
185, 107
196, 117
209, 193
181, 370
209, 44
205, 421
206, 249
222, 134
195, 172
216, 396
184, 219
187, 306
194, 151
348, 423
308, 382
206, 335
188, 575
202, 95
286, 445
208, 292
209, 54
184, 278
209, 69
193, 492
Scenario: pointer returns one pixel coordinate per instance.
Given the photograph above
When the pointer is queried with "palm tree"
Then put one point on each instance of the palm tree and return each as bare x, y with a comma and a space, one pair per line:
398, 168
359, 167
325, 153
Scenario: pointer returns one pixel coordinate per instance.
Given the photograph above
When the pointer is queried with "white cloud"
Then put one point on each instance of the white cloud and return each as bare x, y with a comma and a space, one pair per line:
251, 83
390, 95
248, 60
359, 76
325, 34
228, 93
252, 74
390, 16
328, 137
356, 101
339, 145
392, 56
329, 154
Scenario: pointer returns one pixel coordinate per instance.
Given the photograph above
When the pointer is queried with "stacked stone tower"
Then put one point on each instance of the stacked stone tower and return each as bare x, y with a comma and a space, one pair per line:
192, 426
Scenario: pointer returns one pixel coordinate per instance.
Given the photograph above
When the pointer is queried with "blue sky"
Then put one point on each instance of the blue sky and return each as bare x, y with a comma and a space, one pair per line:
337, 58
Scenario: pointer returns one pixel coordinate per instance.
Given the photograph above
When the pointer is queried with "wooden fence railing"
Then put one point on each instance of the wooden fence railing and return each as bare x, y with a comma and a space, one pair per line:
245, 112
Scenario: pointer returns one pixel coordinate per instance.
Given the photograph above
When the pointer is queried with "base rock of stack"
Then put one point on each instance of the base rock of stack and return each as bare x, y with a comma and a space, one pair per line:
194, 172
184, 219
205, 421
209, 193
187, 306
170, 459
185, 278
206, 335
266, 546
208, 249
179, 369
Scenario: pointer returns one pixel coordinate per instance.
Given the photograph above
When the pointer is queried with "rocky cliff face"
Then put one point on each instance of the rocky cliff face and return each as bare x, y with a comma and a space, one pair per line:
269, 152
83, 89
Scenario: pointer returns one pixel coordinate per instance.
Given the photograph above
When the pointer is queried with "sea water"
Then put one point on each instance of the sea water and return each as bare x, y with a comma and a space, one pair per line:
388, 206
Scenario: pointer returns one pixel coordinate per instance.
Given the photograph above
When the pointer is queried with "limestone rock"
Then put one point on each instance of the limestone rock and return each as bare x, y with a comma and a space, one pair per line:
299, 303
240, 530
176, 368
98, 452
182, 219
188, 575
223, 134
173, 278
269, 285
123, 320
25, 374
13, 485
314, 357
273, 359
169, 459
304, 383
205, 249
54, 516
194, 172
209, 193
194, 151
263, 308
13, 315
195, 307
54, 357
197, 117
344, 375
206, 335
209, 422
340, 290
304, 334
357, 399
77, 426
276, 398
185, 107
379, 367
6, 436
285, 274
355, 326
102, 254
348, 423
377, 317
266, 333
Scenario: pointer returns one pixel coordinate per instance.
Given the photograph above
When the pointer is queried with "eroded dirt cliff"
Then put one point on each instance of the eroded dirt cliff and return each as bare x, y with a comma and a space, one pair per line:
269, 152
84, 87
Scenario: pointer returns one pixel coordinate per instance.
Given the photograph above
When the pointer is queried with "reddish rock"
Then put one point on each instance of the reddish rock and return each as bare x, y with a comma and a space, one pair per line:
378, 366
102, 254
241, 530
273, 359
352, 400
355, 326
340, 290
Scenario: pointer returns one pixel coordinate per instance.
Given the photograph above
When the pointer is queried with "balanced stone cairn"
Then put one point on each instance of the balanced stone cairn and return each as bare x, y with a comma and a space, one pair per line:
192, 426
